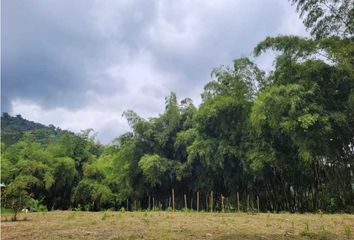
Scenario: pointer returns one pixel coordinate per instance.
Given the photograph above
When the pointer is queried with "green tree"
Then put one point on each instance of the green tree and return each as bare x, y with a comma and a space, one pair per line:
327, 17
15, 197
65, 178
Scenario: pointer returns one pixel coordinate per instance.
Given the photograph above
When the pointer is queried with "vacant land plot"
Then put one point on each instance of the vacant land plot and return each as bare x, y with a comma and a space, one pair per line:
178, 225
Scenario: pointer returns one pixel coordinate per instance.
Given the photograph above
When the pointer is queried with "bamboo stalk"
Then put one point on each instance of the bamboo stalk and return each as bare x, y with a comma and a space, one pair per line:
222, 203
173, 199
238, 202
197, 201
185, 201
206, 202
211, 201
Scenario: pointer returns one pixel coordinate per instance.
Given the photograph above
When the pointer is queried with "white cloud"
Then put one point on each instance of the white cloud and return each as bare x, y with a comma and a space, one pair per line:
89, 117
144, 89
104, 57
290, 23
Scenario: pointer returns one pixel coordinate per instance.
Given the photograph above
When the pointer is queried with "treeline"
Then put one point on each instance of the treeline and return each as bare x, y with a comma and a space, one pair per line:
13, 128
46, 162
286, 137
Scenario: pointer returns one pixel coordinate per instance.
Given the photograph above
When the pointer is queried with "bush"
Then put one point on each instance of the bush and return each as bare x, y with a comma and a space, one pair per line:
15, 197
332, 206
37, 206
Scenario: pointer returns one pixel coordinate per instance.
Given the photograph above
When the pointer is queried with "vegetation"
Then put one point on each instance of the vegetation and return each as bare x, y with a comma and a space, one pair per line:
285, 138
16, 198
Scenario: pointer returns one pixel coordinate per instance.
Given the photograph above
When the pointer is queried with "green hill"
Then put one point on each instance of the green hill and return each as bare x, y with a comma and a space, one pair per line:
13, 128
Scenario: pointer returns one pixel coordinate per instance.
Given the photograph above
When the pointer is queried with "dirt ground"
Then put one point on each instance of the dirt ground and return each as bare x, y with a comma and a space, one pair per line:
176, 225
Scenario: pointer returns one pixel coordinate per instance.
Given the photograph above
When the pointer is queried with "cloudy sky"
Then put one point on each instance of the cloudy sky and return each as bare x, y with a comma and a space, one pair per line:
79, 64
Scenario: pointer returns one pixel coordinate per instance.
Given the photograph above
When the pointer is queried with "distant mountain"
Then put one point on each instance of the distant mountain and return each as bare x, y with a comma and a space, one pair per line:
12, 129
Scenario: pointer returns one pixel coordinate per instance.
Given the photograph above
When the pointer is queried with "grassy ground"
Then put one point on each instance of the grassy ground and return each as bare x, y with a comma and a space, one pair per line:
179, 225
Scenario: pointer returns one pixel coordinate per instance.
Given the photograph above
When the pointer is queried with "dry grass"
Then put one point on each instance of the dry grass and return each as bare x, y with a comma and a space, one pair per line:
179, 225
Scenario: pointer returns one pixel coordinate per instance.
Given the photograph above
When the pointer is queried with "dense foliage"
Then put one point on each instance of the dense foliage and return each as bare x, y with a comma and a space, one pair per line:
286, 137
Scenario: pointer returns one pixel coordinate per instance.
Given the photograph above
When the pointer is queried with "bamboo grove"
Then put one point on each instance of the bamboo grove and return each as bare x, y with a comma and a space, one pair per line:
283, 140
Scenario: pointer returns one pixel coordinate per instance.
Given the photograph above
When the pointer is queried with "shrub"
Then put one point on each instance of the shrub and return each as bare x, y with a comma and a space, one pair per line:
36, 206
347, 231
332, 206
15, 197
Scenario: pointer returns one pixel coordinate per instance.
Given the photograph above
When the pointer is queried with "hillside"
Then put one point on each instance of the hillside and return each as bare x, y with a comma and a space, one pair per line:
13, 128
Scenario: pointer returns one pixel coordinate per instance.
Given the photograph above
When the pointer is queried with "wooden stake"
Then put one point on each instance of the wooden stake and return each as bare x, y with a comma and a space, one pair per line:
173, 199
153, 204
127, 204
149, 202
169, 201
258, 203
206, 202
185, 201
248, 202
134, 205
222, 203
238, 202
197, 201
211, 201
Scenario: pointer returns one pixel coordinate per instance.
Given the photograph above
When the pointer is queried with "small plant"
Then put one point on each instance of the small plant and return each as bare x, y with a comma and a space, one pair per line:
146, 217
347, 231
122, 209
307, 226
105, 216
332, 206
185, 210
306, 232
321, 213
37, 206
131, 237
71, 216
87, 207
78, 208
156, 209
268, 220
169, 209
323, 234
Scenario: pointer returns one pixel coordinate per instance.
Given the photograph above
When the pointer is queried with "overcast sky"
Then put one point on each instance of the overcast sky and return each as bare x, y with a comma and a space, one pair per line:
79, 64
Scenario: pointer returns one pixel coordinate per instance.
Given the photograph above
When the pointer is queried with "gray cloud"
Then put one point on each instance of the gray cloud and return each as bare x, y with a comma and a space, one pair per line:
93, 59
